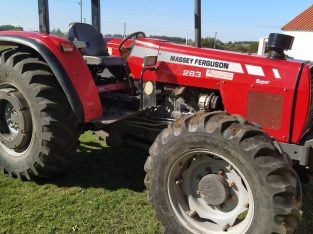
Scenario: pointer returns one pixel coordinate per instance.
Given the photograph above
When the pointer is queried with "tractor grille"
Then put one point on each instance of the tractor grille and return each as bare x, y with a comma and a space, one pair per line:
310, 114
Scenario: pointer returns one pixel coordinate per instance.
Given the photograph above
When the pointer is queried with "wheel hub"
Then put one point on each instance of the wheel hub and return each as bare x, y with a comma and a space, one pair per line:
209, 193
214, 189
15, 119
11, 118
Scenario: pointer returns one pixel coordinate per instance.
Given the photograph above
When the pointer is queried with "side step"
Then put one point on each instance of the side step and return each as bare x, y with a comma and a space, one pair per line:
137, 129
113, 115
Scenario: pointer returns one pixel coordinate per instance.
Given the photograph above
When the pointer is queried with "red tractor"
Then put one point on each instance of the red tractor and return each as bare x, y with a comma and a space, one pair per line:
228, 128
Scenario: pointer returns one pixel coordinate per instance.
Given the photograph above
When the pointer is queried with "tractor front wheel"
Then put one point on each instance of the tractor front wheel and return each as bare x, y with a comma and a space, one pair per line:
38, 131
216, 173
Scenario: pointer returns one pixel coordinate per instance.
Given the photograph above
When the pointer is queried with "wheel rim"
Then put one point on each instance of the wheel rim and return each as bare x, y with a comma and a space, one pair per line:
15, 121
208, 193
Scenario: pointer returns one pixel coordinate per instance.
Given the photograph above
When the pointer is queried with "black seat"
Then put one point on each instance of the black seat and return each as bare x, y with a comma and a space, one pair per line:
95, 51
96, 46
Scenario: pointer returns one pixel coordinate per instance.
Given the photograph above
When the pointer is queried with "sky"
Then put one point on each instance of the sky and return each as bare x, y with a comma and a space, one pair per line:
241, 20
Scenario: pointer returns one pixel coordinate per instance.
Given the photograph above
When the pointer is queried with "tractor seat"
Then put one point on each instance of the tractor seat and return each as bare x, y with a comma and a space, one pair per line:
95, 52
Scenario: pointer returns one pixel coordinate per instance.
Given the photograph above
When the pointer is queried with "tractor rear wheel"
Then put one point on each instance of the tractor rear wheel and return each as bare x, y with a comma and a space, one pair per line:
38, 130
216, 173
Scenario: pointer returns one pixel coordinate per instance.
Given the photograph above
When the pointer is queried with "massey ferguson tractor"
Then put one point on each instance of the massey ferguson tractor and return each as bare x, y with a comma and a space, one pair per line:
228, 128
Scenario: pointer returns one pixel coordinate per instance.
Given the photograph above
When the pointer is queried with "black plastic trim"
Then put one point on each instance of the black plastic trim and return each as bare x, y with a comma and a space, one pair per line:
56, 67
294, 100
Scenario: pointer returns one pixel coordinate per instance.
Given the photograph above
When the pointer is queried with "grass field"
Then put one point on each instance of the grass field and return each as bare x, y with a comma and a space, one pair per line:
2, 47
101, 192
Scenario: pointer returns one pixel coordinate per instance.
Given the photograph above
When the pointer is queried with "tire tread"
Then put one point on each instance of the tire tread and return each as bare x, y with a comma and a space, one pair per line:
254, 142
60, 131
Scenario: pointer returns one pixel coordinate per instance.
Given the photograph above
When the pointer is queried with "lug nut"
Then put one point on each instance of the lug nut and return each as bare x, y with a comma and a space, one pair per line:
179, 181
226, 227
232, 184
221, 172
246, 204
191, 213
199, 193
230, 167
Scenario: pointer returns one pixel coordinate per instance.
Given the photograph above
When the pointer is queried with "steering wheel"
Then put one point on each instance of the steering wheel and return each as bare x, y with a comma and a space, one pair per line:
125, 49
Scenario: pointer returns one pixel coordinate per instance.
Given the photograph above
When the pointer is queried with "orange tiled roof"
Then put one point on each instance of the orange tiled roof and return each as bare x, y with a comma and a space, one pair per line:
303, 22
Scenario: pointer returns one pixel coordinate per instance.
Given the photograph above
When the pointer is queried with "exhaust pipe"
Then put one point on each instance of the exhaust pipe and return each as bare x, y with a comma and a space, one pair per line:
277, 44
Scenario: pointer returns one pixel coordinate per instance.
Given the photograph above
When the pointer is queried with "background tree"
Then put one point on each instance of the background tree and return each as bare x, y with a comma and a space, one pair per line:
10, 27
58, 32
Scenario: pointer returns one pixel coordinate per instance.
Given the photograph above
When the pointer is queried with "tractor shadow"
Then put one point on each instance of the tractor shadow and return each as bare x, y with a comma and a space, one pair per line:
96, 166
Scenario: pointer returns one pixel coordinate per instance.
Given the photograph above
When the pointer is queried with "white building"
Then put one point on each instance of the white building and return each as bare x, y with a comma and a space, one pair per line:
301, 28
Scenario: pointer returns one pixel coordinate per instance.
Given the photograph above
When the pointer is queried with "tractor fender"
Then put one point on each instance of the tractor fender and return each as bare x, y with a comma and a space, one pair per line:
69, 68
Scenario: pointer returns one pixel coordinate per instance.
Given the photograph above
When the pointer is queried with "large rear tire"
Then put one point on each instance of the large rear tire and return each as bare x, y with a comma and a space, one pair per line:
38, 130
216, 173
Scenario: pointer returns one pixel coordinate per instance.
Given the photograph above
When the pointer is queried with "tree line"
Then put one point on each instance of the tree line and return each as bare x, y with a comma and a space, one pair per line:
207, 42
10, 27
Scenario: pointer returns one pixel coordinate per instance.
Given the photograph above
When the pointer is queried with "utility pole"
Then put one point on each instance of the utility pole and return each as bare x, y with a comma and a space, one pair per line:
44, 23
96, 14
124, 35
215, 40
198, 23
81, 10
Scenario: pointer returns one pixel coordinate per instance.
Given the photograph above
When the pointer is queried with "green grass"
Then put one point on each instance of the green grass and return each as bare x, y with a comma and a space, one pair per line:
101, 192
2, 47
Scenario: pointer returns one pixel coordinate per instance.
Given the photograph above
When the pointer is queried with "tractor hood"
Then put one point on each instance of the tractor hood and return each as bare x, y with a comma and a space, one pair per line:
275, 93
